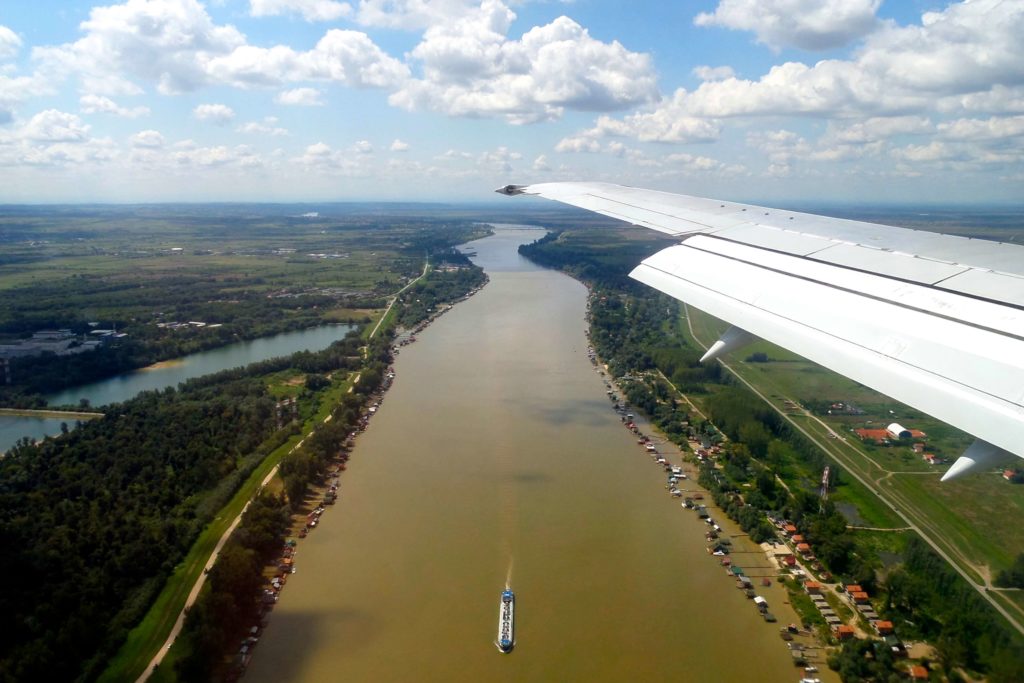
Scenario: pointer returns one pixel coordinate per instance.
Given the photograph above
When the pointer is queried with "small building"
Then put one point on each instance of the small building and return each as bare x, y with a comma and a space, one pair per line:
852, 588
803, 548
812, 587
843, 632
898, 431
884, 628
789, 529
798, 538
789, 560
1008, 474
859, 597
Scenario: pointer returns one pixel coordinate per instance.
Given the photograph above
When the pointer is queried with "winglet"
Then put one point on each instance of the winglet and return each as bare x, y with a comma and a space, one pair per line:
512, 189
979, 454
734, 338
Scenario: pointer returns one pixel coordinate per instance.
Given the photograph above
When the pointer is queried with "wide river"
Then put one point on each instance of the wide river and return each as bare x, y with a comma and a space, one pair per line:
496, 456
168, 374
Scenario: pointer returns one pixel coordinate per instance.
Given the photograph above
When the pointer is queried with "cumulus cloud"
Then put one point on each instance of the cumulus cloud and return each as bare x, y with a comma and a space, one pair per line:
578, 143
268, 126
341, 56
149, 139
322, 157
993, 128
210, 157
310, 10
671, 121
166, 42
806, 24
411, 14
399, 146
97, 104
219, 114
363, 147
713, 73
541, 164
471, 68
176, 45
966, 56
10, 43
55, 126
303, 97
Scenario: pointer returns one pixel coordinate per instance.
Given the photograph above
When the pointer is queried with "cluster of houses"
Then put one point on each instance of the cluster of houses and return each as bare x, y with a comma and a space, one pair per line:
61, 342
857, 597
191, 324
896, 432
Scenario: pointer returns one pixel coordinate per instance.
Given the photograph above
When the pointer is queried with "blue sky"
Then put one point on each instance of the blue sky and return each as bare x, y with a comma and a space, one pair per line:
293, 100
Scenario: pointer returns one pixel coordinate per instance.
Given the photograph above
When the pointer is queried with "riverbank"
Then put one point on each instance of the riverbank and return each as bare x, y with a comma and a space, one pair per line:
495, 454
28, 412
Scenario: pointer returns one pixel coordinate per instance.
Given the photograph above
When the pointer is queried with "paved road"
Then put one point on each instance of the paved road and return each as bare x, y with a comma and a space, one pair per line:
846, 461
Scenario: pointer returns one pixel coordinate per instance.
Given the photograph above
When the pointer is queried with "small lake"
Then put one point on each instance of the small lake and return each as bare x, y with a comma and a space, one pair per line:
169, 374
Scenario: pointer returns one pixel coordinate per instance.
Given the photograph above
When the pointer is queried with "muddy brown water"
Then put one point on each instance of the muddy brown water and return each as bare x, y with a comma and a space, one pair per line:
496, 453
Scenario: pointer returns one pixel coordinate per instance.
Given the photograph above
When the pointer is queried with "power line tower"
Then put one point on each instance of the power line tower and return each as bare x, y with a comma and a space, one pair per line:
823, 493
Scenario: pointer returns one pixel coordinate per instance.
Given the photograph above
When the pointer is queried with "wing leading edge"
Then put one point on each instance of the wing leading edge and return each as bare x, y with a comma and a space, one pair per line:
935, 321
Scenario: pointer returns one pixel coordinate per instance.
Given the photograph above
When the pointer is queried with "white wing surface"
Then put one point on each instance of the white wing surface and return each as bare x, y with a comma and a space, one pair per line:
935, 321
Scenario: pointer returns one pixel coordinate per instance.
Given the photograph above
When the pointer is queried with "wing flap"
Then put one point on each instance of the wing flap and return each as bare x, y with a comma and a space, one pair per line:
935, 321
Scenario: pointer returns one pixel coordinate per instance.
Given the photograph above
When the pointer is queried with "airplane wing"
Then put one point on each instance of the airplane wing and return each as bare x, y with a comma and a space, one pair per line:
934, 321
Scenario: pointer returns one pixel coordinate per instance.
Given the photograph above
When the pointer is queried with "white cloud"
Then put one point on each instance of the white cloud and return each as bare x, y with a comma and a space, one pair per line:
210, 157
669, 122
219, 114
265, 127
310, 10
968, 56
166, 42
341, 56
578, 143
321, 157
807, 24
175, 44
15, 90
363, 147
97, 104
411, 14
541, 164
304, 97
149, 139
399, 146
10, 43
55, 126
713, 73
471, 68
983, 129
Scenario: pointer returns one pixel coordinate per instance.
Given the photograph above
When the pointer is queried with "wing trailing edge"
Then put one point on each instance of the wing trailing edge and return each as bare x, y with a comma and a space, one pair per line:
934, 321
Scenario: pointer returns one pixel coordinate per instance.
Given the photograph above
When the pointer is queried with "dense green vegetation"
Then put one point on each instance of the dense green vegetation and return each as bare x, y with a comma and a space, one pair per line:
94, 520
